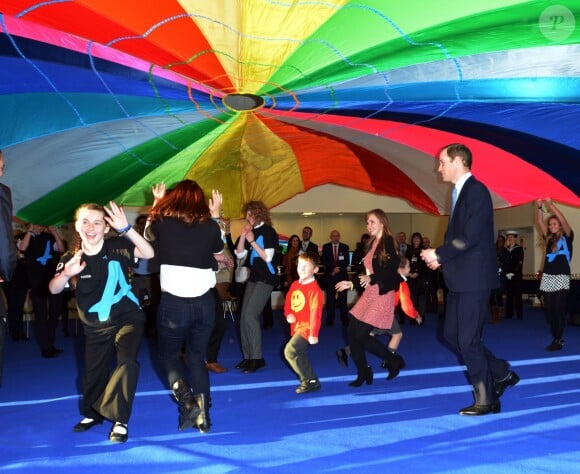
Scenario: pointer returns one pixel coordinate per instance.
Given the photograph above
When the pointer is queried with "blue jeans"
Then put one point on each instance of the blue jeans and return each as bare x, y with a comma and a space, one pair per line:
186, 322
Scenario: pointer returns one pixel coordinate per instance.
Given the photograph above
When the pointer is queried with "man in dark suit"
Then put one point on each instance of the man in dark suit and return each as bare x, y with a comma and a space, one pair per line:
514, 276
307, 244
7, 253
335, 258
468, 260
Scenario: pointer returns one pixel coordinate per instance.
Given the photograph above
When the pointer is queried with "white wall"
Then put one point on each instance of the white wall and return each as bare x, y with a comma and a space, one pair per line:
332, 201
343, 209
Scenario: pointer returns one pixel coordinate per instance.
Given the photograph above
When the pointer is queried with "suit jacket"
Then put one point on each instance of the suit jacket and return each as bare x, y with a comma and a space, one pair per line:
468, 255
311, 247
342, 261
7, 247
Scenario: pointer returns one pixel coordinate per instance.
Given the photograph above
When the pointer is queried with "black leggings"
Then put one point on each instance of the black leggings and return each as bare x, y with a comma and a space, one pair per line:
361, 341
555, 306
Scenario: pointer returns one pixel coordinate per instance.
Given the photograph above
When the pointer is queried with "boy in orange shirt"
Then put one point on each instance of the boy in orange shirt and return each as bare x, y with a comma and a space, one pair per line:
303, 310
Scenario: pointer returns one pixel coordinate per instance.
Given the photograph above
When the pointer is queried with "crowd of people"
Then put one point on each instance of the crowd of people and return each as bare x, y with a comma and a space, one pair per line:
161, 278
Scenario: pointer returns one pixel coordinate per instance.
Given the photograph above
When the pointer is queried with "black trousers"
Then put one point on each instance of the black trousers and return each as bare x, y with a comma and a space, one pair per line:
217, 335
514, 297
334, 299
47, 308
465, 318
107, 395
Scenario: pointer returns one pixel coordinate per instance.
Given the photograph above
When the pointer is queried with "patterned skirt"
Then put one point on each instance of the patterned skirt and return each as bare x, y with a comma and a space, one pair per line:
551, 283
374, 309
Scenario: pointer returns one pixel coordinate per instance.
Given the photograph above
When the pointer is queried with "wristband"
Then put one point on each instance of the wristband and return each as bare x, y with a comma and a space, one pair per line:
253, 241
124, 230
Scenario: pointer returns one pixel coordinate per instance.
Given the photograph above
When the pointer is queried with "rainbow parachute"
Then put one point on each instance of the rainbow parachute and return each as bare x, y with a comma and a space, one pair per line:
267, 99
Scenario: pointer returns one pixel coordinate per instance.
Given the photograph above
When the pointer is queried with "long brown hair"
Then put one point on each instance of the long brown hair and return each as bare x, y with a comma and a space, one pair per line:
381, 250
185, 201
260, 212
554, 238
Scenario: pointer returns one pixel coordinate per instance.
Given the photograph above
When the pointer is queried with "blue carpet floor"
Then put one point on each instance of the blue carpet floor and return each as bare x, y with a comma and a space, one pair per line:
406, 425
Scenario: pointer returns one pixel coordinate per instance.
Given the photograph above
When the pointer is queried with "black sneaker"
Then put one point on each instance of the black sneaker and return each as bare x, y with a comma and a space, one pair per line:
555, 345
308, 386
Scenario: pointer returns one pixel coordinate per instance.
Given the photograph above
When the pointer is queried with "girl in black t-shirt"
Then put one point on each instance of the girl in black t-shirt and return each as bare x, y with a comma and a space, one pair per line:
109, 311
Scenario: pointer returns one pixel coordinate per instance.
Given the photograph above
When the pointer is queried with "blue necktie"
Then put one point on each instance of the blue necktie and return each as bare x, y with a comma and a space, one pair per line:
453, 200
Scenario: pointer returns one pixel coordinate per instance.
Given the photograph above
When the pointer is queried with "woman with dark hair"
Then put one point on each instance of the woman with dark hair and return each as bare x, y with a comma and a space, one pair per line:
375, 308
290, 260
258, 242
555, 283
418, 275
189, 246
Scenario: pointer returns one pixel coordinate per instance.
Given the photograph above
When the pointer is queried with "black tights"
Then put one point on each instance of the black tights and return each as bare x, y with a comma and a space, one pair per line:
361, 341
555, 305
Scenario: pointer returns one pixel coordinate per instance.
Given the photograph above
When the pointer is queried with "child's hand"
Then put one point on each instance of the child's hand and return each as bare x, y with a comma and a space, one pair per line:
312, 340
75, 265
115, 216
291, 318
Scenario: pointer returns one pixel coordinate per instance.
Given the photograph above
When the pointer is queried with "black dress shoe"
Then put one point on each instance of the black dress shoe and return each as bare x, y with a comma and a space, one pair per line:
479, 410
51, 353
243, 363
80, 427
119, 433
342, 357
555, 345
254, 365
510, 380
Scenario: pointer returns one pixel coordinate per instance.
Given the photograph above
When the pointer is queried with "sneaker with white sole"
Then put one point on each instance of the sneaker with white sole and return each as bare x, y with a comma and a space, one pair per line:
308, 386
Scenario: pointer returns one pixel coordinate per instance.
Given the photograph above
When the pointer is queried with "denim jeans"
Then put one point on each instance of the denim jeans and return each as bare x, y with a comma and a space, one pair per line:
186, 322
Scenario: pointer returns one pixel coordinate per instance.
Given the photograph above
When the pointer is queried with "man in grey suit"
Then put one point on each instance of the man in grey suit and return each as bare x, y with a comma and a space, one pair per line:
7, 253
468, 261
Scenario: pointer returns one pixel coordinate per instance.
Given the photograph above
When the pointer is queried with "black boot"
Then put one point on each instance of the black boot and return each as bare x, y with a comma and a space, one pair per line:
202, 420
402, 364
394, 365
366, 376
188, 407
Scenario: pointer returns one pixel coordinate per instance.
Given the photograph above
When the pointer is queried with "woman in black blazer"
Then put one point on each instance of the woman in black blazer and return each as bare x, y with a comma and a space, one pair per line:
375, 307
